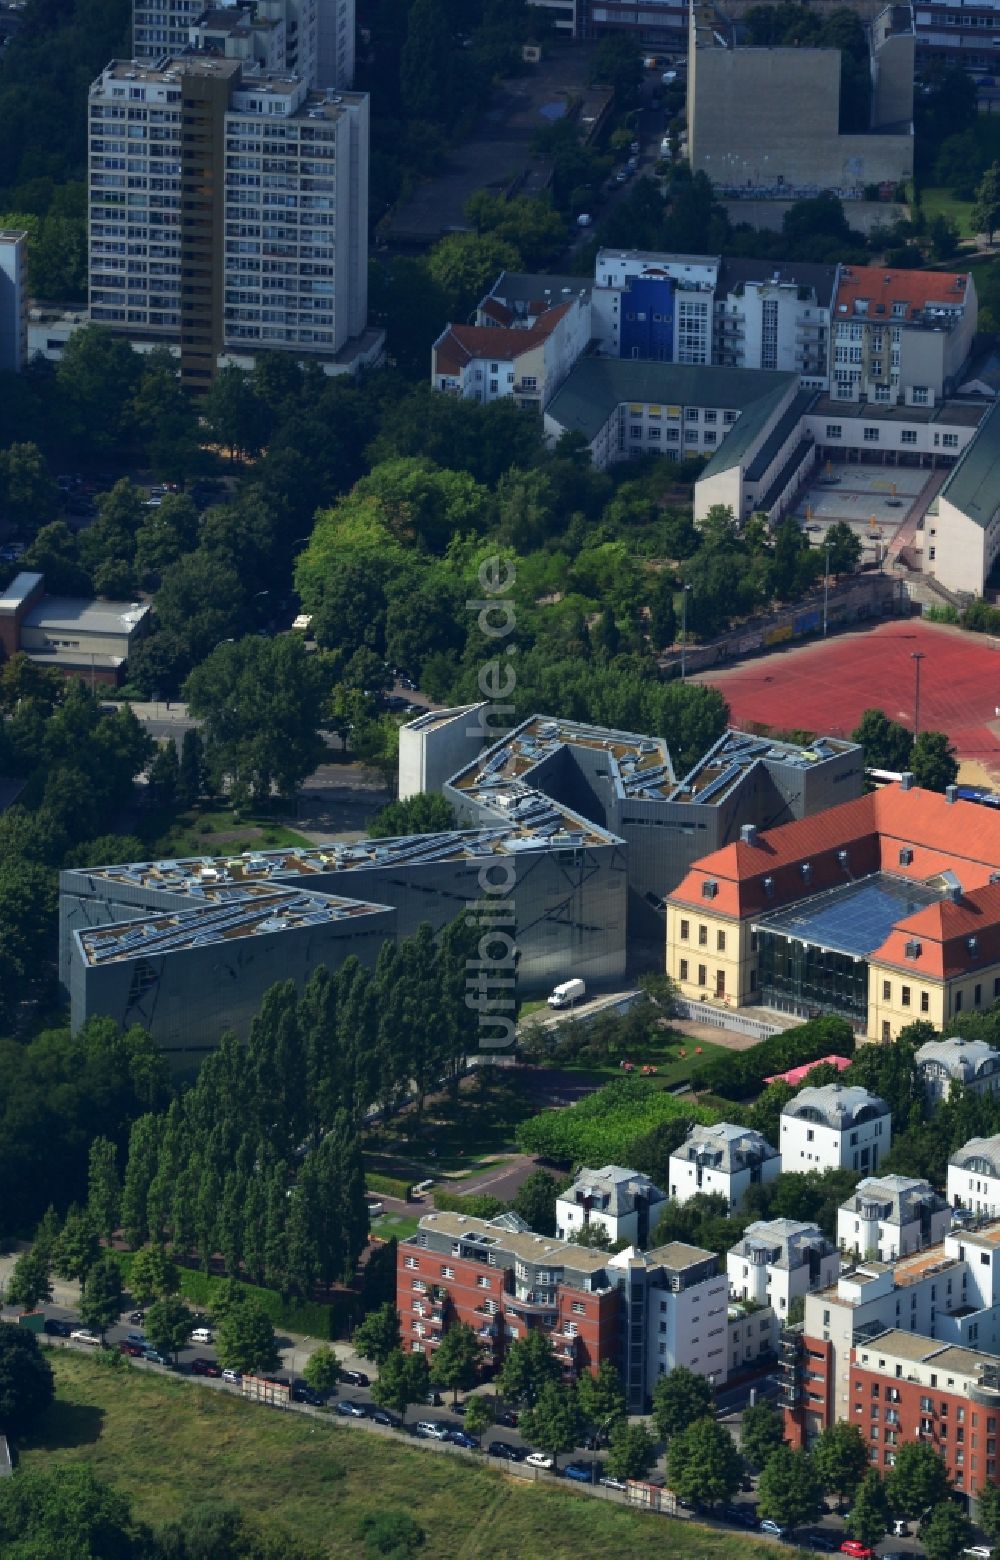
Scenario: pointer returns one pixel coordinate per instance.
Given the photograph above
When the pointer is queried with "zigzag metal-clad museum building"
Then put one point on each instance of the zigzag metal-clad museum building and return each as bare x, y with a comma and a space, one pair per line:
584, 831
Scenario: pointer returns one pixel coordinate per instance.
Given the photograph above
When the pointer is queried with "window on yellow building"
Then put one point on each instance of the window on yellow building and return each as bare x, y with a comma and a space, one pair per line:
684, 969
685, 930
886, 990
720, 941
905, 996
925, 1002
702, 975
702, 936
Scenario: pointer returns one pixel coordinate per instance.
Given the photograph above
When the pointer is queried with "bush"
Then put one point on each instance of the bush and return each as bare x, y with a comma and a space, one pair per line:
740, 1075
478, 1205
602, 1128
981, 618
388, 1186
304, 1316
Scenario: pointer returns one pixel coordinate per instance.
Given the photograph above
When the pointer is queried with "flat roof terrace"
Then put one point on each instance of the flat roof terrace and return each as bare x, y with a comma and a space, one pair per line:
854, 918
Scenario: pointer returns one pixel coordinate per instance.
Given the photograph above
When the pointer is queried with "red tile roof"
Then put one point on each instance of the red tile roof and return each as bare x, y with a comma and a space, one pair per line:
942, 835
918, 290
942, 932
459, 344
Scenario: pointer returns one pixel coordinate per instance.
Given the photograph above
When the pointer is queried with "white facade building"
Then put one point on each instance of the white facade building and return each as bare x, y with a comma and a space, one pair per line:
525, 355
974, 1175
772, 314
13, 300
972, 1063
206, 208
694, 279
900, 337
779, 1260
623, 1203
889, 1216
435, 746
722, 1160
675, 1306
835, 1128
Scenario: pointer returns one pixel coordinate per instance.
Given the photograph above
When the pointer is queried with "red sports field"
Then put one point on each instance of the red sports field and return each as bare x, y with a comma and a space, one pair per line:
825, 686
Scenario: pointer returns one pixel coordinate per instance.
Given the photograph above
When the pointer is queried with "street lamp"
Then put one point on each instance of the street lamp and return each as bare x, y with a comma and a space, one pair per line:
916, 656
684, 631
826, 586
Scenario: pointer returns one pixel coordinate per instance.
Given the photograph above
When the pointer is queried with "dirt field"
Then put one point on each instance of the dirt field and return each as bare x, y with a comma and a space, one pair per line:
824, 687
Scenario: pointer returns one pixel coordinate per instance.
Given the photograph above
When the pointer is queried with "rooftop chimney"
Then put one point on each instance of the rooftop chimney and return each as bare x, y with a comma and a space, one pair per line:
748, 834
951, 793
906, 781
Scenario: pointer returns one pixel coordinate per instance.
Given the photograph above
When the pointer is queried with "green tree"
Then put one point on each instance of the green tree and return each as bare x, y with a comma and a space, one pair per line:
152, 1275
465, 266
228, 1296
946, 1532
322, 1370
235, 414
529, 1364
425, 813
789, 1489
30, 1282
390, 1532
985, 214
944, 236
933, 762
918, 1480
426, 77
68, 1512
164, 775
245, 1340
27, 491
868, 1517
632, 1451
191, 778
378, 1335
457, 1359
601, 1397
101, 1297
402, 1379
887, 744
261, 700
535, 1201
762, 1432
77, 1247
840, 1458
679, 1398
703, 1463
25, 1381
553, 1420
97, 377
618, 61
845, 548
478, 1414
988, 1510
168, 1326
104, 1187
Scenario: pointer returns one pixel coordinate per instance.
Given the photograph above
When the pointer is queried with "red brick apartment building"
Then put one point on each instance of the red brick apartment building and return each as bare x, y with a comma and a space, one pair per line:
906, 1388
503, 1282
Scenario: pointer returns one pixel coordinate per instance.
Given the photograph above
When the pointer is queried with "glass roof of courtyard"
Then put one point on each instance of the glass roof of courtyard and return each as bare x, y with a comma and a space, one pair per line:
853, 918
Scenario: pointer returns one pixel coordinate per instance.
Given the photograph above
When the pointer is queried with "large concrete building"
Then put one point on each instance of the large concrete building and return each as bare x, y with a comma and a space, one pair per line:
901, 337
229, 214
883, 909
13, 300
766, 121
314, 38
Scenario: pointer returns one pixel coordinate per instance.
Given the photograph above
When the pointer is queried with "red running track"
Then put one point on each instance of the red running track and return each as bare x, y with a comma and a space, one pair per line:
825, 686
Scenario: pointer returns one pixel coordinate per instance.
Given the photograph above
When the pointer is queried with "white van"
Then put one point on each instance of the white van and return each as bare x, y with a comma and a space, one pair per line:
567, 994
201, 1335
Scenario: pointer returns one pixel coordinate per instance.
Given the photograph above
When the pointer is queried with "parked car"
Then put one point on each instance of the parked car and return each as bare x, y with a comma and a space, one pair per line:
302, 1392
137, 1318
155, 1357
508, 1418
431, 1430
201, 1335
434, 1398
774, 1528
539, 1460
505, 1451
859, 1551
613, 1484
354, 1378
135, 1351
979, 1551
136, 1337
462, 1438
580, 1473
381, 1416
84, 1335
57, 1328
232, 1376
825, 1543
352, 1410
202, 1367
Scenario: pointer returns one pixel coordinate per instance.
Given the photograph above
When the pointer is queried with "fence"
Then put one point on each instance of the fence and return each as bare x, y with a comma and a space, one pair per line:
726, 1018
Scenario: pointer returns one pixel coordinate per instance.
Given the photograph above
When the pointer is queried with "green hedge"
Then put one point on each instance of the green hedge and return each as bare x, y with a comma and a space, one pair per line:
740, 1075
388, 1185
308, 1317
478, 1205
601, 1129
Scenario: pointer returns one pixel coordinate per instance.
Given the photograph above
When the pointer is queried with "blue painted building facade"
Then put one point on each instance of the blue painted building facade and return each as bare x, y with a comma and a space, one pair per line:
647, 319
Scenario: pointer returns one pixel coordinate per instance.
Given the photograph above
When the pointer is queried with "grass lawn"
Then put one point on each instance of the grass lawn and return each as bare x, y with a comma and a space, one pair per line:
218, 832
170, 1445
399, 1224
662, 1053
941, 203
